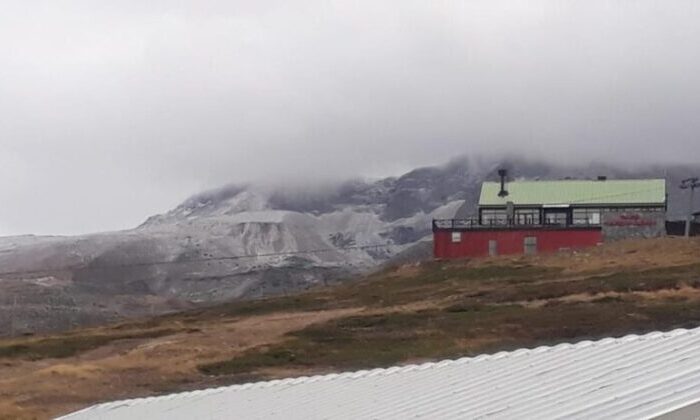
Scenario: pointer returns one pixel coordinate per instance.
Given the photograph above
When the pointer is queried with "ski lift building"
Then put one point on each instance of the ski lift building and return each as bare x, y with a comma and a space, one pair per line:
527, 217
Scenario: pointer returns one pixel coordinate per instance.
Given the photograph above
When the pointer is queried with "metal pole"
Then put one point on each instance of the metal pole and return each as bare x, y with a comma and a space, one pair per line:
688, 221
690, 183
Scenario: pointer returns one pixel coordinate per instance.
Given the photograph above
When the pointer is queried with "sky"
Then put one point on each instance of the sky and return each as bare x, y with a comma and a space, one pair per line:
112, 111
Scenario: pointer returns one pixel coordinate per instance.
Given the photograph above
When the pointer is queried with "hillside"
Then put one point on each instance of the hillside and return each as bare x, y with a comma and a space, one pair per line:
413, 312
248, 242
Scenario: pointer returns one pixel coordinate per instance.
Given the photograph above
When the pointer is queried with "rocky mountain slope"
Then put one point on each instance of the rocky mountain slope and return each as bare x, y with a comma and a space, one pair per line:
247, 241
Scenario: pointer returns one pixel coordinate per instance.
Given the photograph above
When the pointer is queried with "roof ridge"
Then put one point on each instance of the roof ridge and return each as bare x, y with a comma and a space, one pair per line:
398, 368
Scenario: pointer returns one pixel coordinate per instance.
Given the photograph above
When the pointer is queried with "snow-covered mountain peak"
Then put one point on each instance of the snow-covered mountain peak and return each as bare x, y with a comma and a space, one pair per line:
227, 201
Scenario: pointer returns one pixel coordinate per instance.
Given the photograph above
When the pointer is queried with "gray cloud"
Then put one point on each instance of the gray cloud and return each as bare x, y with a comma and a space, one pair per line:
112, 111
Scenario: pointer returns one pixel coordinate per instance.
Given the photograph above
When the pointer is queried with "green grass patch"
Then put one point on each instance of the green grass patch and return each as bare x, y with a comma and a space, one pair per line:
303, 302
70, 345
436, 281
363, 342
622, 282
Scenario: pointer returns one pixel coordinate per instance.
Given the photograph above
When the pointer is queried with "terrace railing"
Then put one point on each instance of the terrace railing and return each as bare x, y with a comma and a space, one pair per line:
474, 223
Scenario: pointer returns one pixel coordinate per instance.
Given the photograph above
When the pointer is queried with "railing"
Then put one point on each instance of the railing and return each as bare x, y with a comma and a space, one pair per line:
474, 223
455, 223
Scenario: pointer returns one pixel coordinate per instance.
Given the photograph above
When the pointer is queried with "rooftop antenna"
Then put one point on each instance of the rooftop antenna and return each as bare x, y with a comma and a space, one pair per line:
503, 173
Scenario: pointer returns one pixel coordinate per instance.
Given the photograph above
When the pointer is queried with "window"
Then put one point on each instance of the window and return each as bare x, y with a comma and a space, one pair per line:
556, 217
456, 236
494, 217
586, 216
527, 216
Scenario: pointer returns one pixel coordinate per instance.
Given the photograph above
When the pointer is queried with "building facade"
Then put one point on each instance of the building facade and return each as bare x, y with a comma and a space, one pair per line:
543, 216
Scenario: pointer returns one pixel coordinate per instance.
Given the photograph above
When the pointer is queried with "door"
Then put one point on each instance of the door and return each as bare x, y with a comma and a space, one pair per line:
530, 245
493, 248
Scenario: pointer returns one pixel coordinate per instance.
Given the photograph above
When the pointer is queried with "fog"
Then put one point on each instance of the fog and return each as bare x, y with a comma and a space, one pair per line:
113, 111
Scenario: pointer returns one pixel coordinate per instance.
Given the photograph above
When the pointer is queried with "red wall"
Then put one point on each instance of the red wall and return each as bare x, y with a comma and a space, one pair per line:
475, 243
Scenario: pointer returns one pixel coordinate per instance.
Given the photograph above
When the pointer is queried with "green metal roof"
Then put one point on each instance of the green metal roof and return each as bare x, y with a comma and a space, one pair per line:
616, 192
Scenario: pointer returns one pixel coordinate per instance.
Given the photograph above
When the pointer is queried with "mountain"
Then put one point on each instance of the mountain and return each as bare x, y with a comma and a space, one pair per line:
248, 241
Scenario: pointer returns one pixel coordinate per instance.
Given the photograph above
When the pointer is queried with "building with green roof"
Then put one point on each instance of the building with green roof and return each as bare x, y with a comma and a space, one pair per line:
531, 216
637, 192
569, 202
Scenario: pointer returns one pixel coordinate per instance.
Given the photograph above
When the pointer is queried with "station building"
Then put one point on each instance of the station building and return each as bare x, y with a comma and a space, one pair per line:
528, 217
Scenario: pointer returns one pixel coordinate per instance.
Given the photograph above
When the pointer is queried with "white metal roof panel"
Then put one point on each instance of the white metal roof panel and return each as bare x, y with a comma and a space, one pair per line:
632, 377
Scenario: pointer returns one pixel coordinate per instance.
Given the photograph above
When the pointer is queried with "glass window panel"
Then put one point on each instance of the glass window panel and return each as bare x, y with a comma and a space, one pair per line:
493, 217
555, 218
527, 216
586, 216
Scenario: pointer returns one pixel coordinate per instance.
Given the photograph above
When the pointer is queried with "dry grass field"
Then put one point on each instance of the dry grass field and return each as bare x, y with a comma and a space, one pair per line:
400, 315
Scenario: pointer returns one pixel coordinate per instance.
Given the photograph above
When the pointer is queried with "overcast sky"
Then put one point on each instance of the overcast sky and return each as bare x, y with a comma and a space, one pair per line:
111, 111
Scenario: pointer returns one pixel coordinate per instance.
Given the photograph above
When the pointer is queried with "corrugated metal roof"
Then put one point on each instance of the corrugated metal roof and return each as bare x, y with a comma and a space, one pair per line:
633, 377
619, 191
